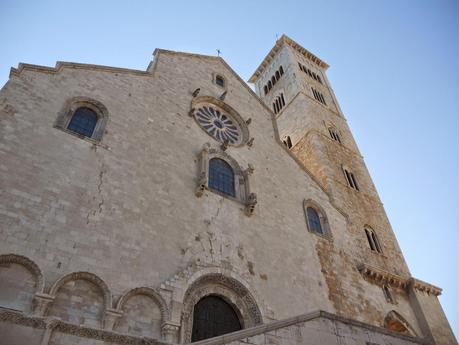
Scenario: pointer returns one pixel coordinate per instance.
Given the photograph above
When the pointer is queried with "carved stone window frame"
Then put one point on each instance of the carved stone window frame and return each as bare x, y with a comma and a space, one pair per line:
242, 191
68, 110
322, 217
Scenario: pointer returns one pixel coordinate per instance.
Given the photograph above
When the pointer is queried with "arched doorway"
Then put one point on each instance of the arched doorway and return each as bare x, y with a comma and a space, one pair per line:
212, 316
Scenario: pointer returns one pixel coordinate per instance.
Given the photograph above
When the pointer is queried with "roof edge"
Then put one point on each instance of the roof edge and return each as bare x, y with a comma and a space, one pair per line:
63, 64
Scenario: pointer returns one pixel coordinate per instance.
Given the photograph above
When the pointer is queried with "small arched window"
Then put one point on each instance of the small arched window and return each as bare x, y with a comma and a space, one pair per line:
219, 80
269, 85
373, 241
277, 75
273, 80
84, 117
266, 89
221, 177
350, 179
314, 220
281, 70
388, 294
83, 122
334, 134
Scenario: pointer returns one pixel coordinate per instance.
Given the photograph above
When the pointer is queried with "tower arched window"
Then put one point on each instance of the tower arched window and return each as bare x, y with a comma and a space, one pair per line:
221, 177
373, 240
350, 179
277, 75
334, 134
83, 122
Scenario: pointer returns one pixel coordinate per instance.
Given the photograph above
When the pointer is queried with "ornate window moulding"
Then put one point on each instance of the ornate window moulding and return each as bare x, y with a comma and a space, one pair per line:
243, 193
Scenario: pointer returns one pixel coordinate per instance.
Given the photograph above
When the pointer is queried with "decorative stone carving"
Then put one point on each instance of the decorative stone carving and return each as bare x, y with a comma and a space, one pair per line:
250, 205
381, 277
250, 169
219, 120
241, 177
201, 185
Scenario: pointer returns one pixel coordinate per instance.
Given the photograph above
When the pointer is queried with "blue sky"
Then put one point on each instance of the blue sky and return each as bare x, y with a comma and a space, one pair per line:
394, 68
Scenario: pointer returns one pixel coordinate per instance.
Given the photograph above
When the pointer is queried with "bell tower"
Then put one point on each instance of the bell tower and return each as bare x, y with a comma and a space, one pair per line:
292, 82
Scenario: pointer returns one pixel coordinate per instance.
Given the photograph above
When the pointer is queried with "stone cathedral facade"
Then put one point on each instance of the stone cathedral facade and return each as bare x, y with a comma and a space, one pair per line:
176, 205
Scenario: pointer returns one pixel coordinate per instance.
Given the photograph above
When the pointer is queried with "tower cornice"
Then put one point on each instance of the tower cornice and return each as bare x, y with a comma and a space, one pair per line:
279, 43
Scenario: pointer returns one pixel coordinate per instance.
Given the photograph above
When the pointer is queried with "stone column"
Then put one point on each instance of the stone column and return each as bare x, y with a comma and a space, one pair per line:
170, 331
111, 316
41, 303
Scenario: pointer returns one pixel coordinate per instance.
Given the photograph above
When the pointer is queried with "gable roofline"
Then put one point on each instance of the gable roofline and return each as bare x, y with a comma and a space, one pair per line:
279, 43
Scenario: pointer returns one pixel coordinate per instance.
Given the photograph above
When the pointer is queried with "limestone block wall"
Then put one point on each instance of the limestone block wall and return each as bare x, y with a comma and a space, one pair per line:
108, 228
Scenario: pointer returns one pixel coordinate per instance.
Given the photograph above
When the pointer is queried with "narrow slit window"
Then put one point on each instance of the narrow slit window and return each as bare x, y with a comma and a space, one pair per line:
288, 142
373, 241
388, 294
314, 220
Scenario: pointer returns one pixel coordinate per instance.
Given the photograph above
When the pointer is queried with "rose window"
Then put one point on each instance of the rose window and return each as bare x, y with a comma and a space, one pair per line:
218, 124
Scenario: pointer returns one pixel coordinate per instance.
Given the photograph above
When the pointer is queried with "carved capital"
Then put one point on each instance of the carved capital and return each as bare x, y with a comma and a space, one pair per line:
170, 331
201, 185
41, 303
250, 204
111, 316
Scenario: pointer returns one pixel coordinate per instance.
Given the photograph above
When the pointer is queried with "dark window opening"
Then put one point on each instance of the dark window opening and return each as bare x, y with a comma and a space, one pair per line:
83, 122
314, 220
288, 142
212, 317
373, 241
370, 240
388, 295
351, 180
221, 177
220, 81
274, 78
334, 135
266, 89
